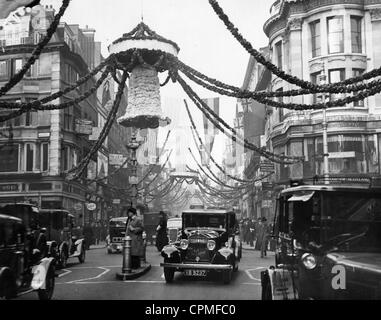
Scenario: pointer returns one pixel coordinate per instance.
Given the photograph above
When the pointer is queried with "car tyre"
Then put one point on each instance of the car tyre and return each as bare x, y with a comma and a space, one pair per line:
9, 288
63, 259
47, 293
169, 274
82, 256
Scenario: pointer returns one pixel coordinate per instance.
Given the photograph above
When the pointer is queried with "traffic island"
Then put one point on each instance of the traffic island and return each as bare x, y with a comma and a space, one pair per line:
134, 273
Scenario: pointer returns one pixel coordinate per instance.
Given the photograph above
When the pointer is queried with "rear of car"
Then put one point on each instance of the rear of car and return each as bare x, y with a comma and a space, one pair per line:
117, 231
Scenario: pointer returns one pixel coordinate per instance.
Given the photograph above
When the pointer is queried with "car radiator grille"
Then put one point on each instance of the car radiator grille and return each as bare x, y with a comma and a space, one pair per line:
197, 251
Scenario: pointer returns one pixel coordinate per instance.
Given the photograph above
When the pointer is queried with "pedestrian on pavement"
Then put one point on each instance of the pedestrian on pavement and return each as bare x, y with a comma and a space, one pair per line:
161, 232
263, 236
251, 232
135, 230
246, 231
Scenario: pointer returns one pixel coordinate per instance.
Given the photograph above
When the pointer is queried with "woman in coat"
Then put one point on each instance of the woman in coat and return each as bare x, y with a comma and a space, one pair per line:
161, 235
135, 229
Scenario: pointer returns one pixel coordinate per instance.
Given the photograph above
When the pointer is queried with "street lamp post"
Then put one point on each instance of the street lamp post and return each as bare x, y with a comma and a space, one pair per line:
322, 81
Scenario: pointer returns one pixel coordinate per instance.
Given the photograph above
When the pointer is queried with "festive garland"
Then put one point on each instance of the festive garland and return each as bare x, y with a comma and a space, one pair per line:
207, 112
194, 129
239, 93
274, 69
37, 51
76, 172
37, 105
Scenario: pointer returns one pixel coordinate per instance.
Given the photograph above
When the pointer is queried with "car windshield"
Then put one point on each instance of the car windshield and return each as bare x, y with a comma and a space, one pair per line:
118, 223
202, 220
348, 219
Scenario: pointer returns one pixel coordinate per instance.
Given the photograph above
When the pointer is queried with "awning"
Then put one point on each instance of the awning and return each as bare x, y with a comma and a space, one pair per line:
302, 197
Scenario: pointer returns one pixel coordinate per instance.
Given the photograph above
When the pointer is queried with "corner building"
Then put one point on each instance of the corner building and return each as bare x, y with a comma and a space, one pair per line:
342, 39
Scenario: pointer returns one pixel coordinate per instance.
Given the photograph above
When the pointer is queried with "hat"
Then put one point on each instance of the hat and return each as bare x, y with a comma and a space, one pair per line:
133, 210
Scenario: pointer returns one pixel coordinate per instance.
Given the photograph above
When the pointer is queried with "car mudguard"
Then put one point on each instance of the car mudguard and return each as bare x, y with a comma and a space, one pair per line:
40, 272
281, 282
170, 252
79, 246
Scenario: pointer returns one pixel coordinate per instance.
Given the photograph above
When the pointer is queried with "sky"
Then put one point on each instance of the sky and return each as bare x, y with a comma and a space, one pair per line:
205, 43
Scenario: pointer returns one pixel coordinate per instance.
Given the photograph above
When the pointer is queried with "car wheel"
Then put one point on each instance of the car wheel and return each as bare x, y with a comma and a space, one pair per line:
9, 290
227, 276
169, 274
63, 259
82, 256
47, 293
235, 266
109, 251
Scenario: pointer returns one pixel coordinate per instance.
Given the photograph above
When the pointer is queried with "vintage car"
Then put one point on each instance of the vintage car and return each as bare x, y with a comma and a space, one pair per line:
116, 233
209, 243
29, 214
22, 267
328, 243
62, 243
174, 226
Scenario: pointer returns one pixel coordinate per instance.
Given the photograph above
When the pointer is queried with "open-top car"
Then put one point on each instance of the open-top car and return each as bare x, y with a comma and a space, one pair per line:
116, 234
209, 243
62, 243
22, 267
328, 243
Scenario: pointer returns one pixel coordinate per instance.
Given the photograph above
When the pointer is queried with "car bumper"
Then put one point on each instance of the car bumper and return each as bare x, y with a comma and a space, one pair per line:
183, 266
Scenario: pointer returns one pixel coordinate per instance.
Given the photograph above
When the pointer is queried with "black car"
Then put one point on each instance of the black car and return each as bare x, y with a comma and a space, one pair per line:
328, 243
116, 234
209, 242
22, 268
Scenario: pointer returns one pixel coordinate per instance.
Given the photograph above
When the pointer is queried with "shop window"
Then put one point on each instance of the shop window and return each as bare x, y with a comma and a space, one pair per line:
335, 34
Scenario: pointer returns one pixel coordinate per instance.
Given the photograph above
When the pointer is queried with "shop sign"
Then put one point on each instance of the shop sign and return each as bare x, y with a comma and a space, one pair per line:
84, 127
116, 159
91, 206
266, 203
267, 166
116, 201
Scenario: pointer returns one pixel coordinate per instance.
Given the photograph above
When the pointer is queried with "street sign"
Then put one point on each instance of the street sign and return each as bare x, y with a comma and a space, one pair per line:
116, 159
91, 206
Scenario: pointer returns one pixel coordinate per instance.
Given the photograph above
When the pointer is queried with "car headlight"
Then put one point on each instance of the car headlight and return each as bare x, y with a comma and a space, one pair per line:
184, 244
309, 261
211, 245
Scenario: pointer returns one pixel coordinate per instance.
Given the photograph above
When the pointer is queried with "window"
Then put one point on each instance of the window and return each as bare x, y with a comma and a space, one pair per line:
17, 65
279, 54
4, 69
315, 80
356, 34
28, 119
9, 158
315, 38
44, 156
335, 34
336, 75
29, 157
356, 73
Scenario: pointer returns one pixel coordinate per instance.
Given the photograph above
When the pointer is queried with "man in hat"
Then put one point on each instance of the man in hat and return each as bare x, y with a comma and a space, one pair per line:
263, 236
135, 229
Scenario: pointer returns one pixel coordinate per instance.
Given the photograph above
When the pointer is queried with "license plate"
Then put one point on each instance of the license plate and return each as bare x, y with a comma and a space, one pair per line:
195, 273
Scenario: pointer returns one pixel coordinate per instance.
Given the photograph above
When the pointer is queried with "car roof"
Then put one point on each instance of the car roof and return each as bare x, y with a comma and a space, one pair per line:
206, 211
331, 188
6, 217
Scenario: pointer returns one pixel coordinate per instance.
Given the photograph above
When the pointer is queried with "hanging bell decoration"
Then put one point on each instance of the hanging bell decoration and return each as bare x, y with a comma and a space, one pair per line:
144, 54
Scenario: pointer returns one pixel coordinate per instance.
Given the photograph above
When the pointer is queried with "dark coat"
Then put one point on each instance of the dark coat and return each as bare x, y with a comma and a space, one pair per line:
137, 244
161, 237
262, 235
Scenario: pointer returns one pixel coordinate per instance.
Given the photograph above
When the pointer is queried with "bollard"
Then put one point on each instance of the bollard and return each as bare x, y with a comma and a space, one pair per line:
145, 246
127, 255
